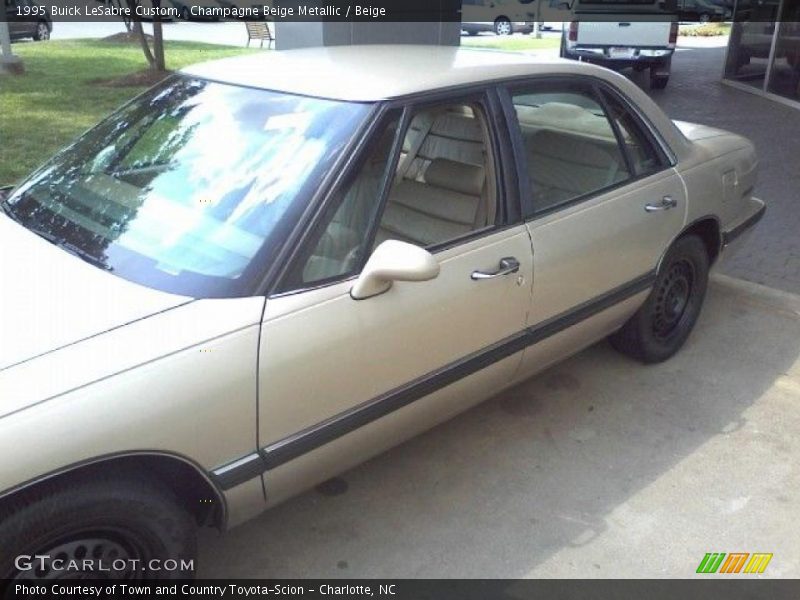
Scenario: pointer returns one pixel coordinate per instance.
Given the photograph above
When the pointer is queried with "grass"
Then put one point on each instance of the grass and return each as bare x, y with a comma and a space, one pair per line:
54, 101
512, 42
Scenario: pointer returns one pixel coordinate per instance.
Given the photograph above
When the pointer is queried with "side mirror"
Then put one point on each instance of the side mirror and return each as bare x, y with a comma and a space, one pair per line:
393, 261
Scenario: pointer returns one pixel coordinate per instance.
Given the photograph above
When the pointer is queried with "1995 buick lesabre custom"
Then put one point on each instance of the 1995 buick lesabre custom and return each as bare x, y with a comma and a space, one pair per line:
269, 268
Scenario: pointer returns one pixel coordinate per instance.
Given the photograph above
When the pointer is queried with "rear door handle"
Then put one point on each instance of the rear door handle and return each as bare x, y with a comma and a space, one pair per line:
508, 265
666, 203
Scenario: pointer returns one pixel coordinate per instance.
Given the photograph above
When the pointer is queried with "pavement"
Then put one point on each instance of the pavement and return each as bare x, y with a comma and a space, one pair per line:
599, 467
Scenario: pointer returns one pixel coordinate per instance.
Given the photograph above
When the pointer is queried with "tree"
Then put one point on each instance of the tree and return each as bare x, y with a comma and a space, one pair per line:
154, 55
9, 62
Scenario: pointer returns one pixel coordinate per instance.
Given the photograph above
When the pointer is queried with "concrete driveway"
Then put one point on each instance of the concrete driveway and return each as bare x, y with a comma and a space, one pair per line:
599, 467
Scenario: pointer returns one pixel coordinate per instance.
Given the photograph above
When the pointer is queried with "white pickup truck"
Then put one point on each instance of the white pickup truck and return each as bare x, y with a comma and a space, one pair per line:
628, 42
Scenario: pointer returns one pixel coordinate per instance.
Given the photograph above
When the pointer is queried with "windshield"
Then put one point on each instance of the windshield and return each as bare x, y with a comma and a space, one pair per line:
192, 187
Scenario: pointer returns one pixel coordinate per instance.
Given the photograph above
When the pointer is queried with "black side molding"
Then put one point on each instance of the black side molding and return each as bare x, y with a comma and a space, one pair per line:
311, 438
730, 236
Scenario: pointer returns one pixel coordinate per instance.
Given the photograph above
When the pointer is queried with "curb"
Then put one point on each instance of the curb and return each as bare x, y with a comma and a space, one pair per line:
771, 297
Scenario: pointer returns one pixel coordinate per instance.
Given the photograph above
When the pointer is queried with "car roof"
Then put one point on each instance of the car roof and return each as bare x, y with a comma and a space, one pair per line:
366, 73
371, 73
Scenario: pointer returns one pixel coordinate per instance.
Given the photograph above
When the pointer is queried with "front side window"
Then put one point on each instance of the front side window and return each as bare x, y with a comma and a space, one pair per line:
337, 247
192, 187
441, 188
444, 187
570, 147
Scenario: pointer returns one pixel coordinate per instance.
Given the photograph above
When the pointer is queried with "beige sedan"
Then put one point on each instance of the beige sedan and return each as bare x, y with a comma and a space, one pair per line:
267, 269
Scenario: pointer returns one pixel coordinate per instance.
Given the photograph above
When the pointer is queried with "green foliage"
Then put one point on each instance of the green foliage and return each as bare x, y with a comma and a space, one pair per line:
56, 99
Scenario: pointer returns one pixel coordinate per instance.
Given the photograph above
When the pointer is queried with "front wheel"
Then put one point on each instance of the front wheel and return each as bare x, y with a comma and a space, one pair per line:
502, 26
42, 32
661, 326
120, 528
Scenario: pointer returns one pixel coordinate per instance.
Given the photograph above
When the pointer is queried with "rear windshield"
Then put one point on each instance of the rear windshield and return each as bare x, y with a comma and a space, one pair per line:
192, 187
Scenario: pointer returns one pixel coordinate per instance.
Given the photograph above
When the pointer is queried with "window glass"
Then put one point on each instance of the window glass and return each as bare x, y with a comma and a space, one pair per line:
444, 186
569, 145
338, 249
189, 188
642, 153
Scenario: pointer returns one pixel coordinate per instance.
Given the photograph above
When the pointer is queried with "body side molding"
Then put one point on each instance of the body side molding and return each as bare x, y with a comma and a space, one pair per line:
291, 447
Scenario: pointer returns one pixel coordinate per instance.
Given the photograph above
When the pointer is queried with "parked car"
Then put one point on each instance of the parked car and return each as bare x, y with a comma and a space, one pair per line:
269, 268
704, 11
622, 44
504, 17
28, 19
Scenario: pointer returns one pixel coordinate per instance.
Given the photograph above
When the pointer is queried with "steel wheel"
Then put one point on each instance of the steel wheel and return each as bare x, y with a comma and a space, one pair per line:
108, 548
663, 323
672, 299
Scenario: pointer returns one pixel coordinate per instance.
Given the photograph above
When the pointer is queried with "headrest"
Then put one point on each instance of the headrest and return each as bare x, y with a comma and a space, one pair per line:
455, 176
557, 111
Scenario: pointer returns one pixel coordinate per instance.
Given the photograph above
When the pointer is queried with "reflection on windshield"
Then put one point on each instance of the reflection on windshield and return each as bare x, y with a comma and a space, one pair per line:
186, 188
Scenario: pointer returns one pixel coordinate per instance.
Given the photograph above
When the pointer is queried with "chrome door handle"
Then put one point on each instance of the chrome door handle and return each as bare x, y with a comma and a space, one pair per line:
508, 265
666, 203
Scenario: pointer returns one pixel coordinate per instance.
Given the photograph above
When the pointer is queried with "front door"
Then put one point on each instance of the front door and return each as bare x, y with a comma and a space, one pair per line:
341, 379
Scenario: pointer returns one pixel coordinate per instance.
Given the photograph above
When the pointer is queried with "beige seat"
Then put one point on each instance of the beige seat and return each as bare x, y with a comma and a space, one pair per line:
564, 166
449, 203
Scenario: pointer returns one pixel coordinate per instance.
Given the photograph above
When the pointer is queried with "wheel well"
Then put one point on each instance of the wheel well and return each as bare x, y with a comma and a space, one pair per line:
502, 18
191, 488
708, 231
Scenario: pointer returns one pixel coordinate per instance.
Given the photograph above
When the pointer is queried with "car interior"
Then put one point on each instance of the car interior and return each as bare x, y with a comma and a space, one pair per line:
570, 147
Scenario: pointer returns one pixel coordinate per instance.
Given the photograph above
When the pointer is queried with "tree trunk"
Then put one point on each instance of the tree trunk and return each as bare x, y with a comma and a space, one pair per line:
137, 28
158, 46
154, 55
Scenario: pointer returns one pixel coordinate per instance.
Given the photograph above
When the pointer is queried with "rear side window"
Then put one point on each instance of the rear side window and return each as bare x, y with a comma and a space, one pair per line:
644, 156
570, 147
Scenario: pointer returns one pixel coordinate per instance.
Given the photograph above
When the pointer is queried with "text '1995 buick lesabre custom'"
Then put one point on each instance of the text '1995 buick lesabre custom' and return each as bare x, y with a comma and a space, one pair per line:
269, 268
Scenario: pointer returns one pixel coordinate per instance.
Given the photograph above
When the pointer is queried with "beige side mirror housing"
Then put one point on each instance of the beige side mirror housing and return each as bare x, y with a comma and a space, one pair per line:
394, 261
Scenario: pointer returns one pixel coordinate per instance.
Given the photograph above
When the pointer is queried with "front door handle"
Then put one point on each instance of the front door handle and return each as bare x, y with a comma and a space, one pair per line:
666, 203
508, 265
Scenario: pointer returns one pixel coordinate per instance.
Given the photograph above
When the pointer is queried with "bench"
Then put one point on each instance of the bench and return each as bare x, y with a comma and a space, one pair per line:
259, 30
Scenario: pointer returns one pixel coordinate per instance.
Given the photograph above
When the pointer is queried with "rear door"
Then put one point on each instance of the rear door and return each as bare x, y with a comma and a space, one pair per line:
604, 203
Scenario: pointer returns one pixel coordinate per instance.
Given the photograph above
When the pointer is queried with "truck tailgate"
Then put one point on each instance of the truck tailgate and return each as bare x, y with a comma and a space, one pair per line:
624, 33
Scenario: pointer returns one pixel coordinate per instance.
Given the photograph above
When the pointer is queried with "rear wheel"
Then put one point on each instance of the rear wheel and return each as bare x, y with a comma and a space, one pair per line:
502, 26
661, 326
122, 528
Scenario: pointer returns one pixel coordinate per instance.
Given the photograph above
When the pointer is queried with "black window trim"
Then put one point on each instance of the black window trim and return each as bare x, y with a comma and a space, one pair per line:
508, 199
595, 85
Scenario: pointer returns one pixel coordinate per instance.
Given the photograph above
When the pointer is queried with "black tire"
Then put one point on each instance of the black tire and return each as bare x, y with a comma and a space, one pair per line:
42, 32
472, 32
502, 26
112, 519
661, 326
704, 18
658, 82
